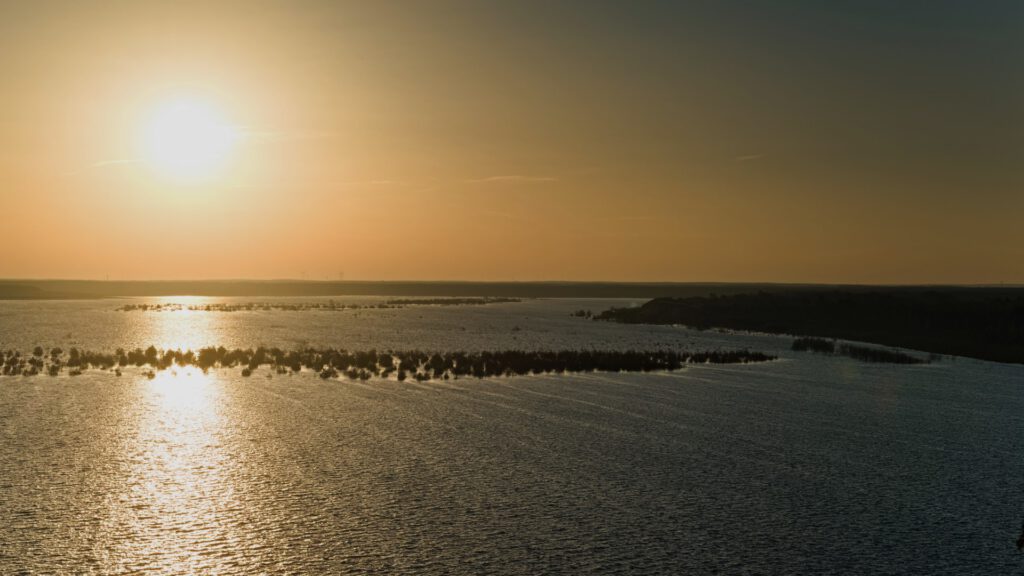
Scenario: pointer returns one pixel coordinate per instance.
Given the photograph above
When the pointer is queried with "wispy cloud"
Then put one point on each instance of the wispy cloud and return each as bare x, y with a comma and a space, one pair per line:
103, 165
513, 178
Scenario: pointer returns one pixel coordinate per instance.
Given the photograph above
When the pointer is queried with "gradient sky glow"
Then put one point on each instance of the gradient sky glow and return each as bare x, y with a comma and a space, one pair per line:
799, 141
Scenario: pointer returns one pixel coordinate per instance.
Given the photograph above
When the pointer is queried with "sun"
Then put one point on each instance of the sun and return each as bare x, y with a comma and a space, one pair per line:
187, 140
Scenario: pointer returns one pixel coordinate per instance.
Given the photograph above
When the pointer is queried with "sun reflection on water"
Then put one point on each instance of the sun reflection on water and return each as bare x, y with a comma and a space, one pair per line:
183, 329
172, 515
185, 390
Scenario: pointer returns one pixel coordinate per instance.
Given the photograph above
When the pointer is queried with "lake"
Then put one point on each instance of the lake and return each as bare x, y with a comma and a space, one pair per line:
806, 464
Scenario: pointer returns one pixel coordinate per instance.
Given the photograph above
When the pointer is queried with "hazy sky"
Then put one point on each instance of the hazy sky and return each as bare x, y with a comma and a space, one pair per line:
801, 141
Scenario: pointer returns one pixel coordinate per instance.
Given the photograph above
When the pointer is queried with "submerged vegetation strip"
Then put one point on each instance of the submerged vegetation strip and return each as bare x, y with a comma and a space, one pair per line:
862, 353
330, 306
363, 365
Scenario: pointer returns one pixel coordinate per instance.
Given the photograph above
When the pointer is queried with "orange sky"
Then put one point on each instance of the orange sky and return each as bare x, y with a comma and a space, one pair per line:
468, 140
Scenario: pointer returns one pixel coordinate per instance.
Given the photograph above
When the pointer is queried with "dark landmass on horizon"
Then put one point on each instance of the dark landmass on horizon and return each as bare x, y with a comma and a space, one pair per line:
28, 289
982, 323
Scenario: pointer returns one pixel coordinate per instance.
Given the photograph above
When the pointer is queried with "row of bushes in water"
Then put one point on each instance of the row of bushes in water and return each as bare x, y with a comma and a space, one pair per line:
863, 353
330, 305
452, 301
332, 363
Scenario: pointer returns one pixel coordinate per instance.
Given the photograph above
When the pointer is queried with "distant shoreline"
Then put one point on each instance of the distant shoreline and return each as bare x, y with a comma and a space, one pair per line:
29, 289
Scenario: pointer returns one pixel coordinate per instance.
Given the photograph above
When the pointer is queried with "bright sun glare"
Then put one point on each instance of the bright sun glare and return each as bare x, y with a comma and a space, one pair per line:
187, 140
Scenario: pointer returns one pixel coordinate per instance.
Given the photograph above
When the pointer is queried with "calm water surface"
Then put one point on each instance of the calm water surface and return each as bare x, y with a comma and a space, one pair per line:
804, 465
